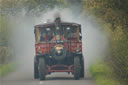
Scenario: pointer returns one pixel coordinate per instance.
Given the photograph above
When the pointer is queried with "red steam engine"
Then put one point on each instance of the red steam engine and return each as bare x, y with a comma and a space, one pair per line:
58, 48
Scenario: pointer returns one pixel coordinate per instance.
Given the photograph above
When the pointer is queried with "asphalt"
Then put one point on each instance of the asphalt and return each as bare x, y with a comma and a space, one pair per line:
23, 75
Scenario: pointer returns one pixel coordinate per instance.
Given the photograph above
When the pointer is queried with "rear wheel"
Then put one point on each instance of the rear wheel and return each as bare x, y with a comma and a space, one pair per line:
77, 67
42, 69
36, 72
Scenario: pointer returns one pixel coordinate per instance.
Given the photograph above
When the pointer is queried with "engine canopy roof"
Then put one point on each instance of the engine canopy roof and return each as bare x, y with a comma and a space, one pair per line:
53, 24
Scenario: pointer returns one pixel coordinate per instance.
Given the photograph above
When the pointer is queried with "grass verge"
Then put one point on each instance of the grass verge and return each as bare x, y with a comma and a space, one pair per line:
6, 68
103, 74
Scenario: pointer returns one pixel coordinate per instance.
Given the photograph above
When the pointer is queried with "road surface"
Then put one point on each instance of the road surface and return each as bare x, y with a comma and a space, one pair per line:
24, 76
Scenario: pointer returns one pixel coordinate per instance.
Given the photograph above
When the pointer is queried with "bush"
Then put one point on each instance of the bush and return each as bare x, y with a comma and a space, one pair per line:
99, 69
102, 81
6, 68
102, 73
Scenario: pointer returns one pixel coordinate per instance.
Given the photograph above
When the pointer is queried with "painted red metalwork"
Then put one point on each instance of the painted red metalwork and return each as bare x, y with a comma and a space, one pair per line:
45, 47
50, 68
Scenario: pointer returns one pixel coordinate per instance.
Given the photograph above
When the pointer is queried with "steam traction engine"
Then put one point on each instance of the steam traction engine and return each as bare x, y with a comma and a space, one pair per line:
58, 49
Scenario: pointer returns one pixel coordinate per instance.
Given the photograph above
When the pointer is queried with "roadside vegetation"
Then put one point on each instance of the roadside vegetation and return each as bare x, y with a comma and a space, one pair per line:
6, 68
6, 54
103, 74
112, 15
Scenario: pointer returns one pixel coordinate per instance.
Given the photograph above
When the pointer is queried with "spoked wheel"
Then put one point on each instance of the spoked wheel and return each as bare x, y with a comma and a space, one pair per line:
36, 72
42, 68
77, 68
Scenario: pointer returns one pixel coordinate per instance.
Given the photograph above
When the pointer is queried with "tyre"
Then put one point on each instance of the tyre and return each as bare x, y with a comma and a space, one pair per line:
42, 69
36, 72
82, 71
77, 67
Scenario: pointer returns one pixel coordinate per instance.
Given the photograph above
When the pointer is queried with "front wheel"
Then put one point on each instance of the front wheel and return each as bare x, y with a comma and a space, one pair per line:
82, 71
36, 72
42, 68
77, 67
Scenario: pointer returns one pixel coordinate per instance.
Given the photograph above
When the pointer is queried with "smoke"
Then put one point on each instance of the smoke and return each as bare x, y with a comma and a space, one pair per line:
94, 39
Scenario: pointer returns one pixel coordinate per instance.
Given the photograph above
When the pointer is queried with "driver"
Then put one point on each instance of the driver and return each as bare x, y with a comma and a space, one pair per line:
58, 37
42, 37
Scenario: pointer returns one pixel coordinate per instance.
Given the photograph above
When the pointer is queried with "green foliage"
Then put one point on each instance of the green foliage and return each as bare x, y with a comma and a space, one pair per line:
6, 68
119, 50
5, 51
108, 10
100, 69
103, 81
4, 54
3, 30
102, 73
113, 13
31, 6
